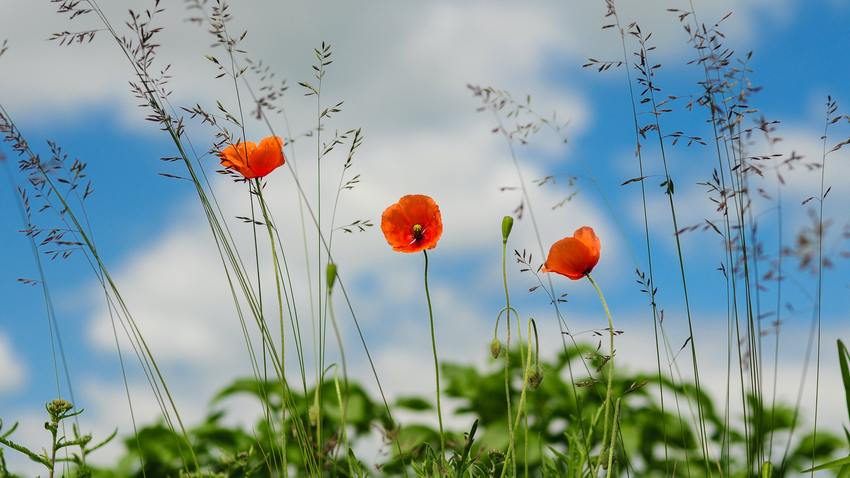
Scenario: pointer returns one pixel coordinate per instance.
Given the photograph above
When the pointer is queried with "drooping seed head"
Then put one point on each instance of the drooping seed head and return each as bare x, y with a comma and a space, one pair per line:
495, 348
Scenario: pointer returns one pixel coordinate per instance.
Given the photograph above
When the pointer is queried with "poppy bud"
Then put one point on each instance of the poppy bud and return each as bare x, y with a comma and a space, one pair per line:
507, 225
331, 275
495, 348
534, 380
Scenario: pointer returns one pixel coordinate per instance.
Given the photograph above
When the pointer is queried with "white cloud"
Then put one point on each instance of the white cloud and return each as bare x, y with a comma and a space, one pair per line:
12, 371
437, 47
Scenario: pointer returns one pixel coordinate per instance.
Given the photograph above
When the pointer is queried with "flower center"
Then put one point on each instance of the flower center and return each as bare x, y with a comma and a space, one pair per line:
418, 232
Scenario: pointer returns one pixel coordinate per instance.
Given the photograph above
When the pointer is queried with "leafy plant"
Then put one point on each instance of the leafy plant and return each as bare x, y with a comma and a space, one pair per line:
63, 449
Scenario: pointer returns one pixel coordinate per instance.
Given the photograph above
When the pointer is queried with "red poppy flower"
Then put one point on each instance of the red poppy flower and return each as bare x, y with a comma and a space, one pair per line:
254, 160
412, 224
575, 256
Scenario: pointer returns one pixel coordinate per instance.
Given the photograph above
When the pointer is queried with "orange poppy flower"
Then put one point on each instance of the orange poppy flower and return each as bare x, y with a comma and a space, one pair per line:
575, 256
412, 224
254, 160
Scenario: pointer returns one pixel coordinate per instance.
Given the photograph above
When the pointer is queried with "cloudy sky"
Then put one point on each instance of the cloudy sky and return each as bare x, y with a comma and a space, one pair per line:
401, 69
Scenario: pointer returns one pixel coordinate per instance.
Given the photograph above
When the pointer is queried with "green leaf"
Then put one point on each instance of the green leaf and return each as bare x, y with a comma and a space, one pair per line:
844, 362
830, 465
412, 437
413, 403
461, 466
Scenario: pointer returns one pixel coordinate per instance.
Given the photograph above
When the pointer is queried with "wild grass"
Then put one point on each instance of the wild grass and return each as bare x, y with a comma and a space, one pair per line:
580, 413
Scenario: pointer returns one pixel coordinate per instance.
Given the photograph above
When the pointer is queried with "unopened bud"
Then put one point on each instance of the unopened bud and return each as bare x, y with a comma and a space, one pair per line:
58, 408
507, 225
331, 275
496, 455
495, 348
534, 380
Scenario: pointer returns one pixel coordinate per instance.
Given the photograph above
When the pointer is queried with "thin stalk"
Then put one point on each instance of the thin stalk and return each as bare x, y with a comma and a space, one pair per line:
225, 248
778, 322
522, 396
611, 450
54, 335
343, 406
87, 244
436, 364
680, 255
319, 344
562, 325
343, 395
508, 350
610, 387
716, 108
651, 288
277, 281
821, 198
234, 76
303, 201
800, 388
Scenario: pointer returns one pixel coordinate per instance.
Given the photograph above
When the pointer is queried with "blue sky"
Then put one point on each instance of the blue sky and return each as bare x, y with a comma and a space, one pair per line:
422, 135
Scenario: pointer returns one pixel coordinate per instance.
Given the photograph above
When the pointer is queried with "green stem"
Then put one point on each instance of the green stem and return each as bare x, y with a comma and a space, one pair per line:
525, 449
436, 363
609, 390
54, 448
522, 396
343, 396
820, 275
278, 287
613, 433
318, 319
343, 407
508, 351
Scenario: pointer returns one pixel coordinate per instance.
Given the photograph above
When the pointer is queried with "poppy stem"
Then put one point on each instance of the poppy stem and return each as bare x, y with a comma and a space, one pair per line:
526, 377
511, 446
436, 363
609, 390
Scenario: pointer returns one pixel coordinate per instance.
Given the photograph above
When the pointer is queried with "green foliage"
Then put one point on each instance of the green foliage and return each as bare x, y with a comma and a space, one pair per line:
562, 437
73, 449
841, 464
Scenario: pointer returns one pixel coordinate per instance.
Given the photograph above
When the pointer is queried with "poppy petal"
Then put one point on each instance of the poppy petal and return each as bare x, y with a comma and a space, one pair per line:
569, 257
396, 227
587, 236
267, 157
418, 208
252, 160
235, 156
